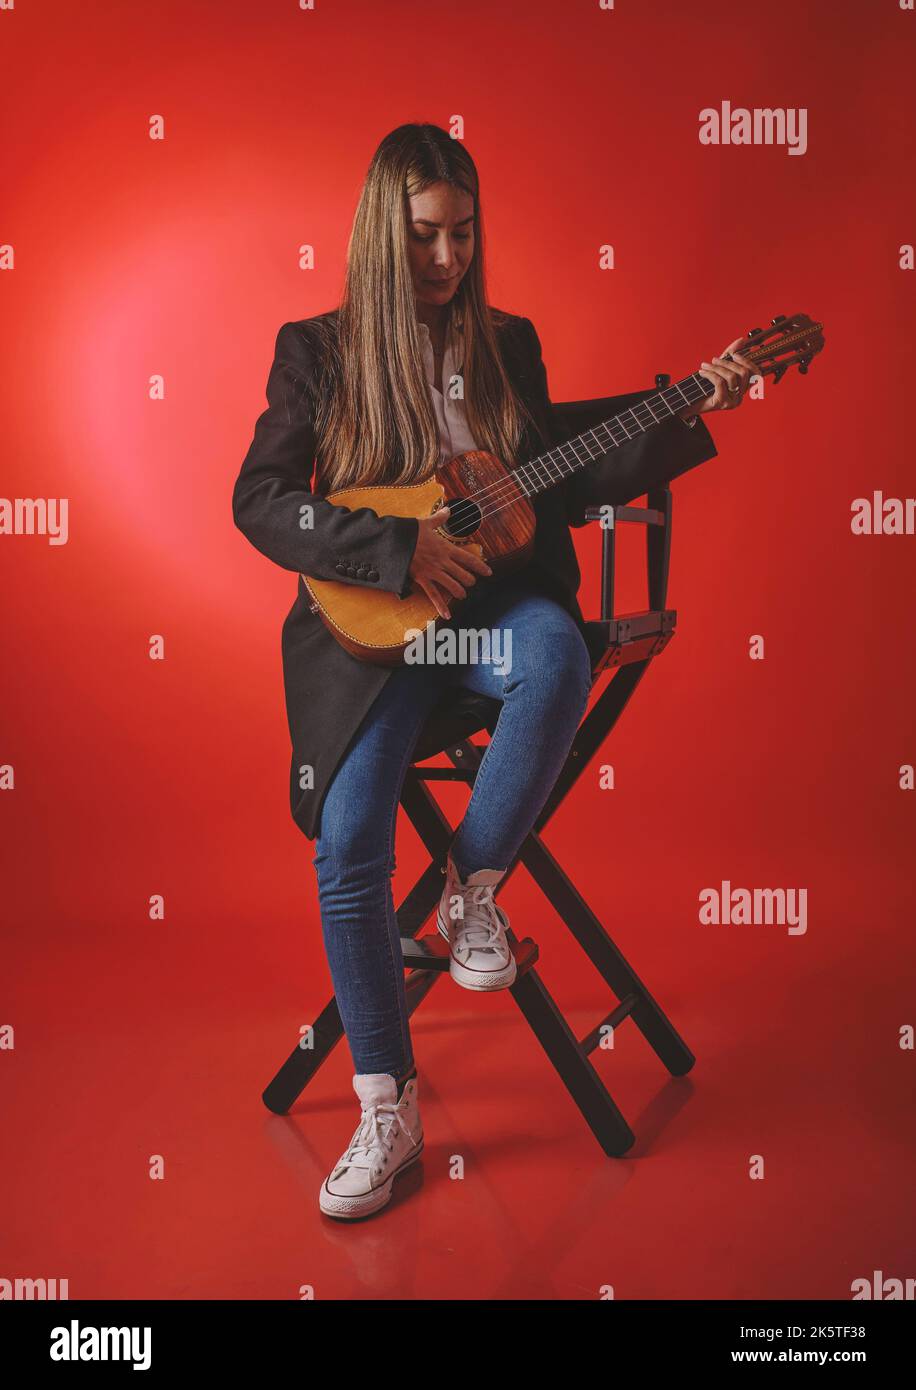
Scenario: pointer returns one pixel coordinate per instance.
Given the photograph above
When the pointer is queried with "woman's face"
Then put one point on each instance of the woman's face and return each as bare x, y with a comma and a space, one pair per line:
440, 240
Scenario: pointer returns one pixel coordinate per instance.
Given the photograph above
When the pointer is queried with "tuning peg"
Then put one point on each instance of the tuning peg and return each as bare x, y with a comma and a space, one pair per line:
752, 332
779, 372
780, 318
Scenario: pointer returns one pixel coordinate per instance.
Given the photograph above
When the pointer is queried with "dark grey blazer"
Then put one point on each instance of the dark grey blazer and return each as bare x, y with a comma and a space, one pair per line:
328, 691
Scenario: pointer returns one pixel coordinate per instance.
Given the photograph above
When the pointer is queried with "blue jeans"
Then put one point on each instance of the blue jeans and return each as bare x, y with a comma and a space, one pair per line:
544, 694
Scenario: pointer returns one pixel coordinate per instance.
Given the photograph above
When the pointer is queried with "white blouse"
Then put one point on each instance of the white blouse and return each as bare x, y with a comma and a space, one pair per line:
454, 435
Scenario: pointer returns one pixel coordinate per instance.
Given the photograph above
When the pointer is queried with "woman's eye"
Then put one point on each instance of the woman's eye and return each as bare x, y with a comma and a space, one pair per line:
459, 236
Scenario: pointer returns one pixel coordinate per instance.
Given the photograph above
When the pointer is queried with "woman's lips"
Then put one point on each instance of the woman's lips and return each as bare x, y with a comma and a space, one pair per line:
441, 282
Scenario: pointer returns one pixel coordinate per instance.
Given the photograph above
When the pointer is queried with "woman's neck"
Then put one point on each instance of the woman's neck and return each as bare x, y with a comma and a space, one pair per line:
435, 316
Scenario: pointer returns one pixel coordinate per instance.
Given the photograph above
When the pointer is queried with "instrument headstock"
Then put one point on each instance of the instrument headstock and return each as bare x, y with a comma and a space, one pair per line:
791, 340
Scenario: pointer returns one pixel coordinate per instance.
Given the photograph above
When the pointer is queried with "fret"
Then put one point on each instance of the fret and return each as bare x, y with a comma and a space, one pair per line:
524, 478
644, 424
555, 462
570, 464
574, 443
543, 477
554, 470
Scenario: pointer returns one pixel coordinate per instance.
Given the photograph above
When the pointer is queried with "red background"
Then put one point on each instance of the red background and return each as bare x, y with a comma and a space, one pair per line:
136, 777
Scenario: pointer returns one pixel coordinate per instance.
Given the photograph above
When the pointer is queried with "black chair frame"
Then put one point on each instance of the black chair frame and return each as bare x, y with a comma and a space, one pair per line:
625, 645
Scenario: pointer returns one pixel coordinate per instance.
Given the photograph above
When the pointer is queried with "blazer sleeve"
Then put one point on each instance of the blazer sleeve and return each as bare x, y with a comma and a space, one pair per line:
664, 452
272, 502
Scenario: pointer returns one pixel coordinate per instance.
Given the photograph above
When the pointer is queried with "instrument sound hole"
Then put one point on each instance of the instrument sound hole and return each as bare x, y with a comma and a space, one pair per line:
464, 518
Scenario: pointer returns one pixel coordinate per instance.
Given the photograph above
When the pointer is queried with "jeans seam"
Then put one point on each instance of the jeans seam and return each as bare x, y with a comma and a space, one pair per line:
476, 785
389, 899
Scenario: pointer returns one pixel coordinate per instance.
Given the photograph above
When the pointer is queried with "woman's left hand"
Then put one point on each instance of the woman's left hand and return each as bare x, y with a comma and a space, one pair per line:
731, 380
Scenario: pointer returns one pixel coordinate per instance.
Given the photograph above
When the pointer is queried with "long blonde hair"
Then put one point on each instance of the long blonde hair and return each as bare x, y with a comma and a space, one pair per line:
374, 417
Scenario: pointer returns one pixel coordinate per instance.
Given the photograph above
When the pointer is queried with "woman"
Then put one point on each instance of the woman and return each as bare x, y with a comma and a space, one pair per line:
413, 368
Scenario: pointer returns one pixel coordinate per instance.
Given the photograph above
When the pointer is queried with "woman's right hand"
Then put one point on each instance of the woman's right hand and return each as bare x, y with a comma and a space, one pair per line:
441, 567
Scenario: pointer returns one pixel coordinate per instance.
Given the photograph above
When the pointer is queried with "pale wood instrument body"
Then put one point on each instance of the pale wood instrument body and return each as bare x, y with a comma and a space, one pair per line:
371, 623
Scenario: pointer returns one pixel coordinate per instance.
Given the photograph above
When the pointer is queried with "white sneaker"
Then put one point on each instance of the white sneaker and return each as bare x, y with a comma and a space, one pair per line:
387, 1140
475, 929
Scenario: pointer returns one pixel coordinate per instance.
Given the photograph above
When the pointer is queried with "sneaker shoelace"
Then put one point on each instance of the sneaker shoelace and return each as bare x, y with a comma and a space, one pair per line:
371, 1143
480, 928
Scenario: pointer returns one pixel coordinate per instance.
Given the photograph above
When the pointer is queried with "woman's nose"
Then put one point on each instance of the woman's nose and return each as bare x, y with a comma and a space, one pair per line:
445, 253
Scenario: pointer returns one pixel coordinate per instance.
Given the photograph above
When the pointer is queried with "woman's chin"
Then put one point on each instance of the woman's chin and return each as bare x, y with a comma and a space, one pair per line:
433, 294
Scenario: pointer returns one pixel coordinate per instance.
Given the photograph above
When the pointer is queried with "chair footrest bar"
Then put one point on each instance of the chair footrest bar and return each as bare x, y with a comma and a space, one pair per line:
431, 953
624, 1010
425, 952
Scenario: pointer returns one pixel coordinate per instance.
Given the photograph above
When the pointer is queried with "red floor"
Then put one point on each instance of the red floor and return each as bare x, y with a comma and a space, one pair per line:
128, 1047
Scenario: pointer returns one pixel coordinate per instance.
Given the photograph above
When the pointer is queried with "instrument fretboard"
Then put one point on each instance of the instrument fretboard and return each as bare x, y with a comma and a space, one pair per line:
543, 472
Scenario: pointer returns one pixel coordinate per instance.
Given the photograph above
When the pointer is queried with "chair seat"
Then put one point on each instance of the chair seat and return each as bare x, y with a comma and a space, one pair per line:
458, 715
462, 713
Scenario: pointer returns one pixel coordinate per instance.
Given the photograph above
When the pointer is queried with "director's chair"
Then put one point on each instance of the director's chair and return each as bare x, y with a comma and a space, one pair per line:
625, 645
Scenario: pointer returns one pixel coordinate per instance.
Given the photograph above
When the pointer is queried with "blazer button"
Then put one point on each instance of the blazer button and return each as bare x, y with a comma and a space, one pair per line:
361, 572
351, 570
373, 575
340, 567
